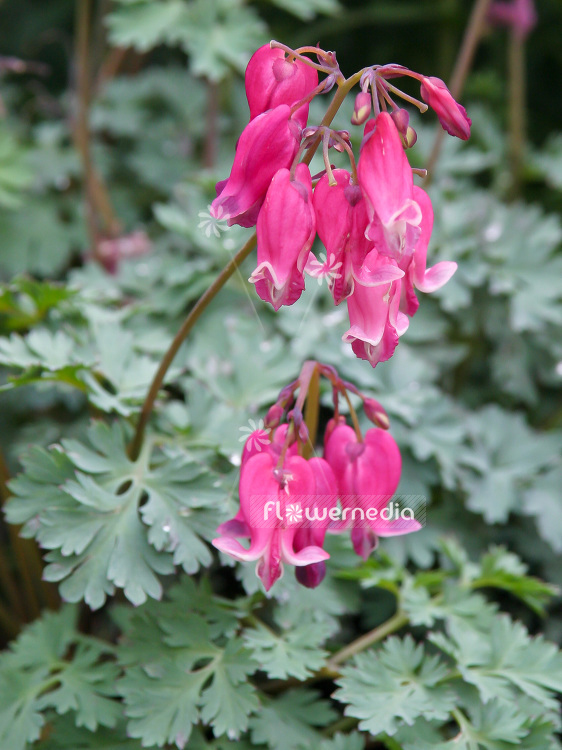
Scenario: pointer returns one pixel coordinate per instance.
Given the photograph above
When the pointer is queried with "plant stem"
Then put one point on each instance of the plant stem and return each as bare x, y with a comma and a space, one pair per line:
343, 90
183, 332
396, 622
354, 418
98, 204
461, 70
311, 412
29, 565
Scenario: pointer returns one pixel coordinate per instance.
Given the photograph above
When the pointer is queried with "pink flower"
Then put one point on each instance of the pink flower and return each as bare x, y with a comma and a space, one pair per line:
386, 179
286, 229
341, 221
262, 498
333, 206
452, 116
374, 315
313, 532
519, 14
267, 144
367, 475
272, 80
426, 280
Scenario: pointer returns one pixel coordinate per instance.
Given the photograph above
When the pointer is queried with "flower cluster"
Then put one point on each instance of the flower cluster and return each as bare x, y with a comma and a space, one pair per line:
373, 221
288, 500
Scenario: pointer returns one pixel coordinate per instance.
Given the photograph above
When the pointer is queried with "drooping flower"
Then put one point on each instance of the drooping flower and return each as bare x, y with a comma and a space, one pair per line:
417, 275
387, 182
333, 210
451, 114
272, 79
374, 314
341, 222
519, 14
286, 229
264, 500
267, 144
367, 474
312, 533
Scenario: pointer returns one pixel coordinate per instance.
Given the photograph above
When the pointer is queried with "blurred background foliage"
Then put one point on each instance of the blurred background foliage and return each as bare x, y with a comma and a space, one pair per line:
103, 248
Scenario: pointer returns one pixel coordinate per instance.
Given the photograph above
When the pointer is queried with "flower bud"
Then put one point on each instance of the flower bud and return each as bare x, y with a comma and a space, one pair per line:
401, 119
311, 575
452, 116
273, 416
376, 413
362, 108
410, 138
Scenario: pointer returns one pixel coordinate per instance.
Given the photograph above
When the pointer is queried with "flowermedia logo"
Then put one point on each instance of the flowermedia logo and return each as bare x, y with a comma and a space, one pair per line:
329, 511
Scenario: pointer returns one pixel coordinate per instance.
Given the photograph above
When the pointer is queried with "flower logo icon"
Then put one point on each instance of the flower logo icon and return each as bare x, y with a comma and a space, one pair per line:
324, 268
255, 434
293, 513
213, 222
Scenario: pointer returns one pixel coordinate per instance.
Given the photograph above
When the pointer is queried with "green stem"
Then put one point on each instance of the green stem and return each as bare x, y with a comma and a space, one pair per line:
339, 97
311, 412
396, 622
200, 306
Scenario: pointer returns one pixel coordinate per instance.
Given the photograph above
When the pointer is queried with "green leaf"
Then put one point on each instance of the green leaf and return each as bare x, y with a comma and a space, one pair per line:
510, 454
25, 302
37, 674
143, 25
506, 663
542, 500
352, 741
15, 174
397, 683
288, 722
295, 653
307, 11
64, 735
111, 522
183, 677
504, 570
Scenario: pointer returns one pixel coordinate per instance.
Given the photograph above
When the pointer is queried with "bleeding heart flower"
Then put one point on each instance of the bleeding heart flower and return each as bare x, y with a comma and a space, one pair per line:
386, 180
374, 314
367, 474
286, 229
417, 275
272, 79
262, 495
267, 144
